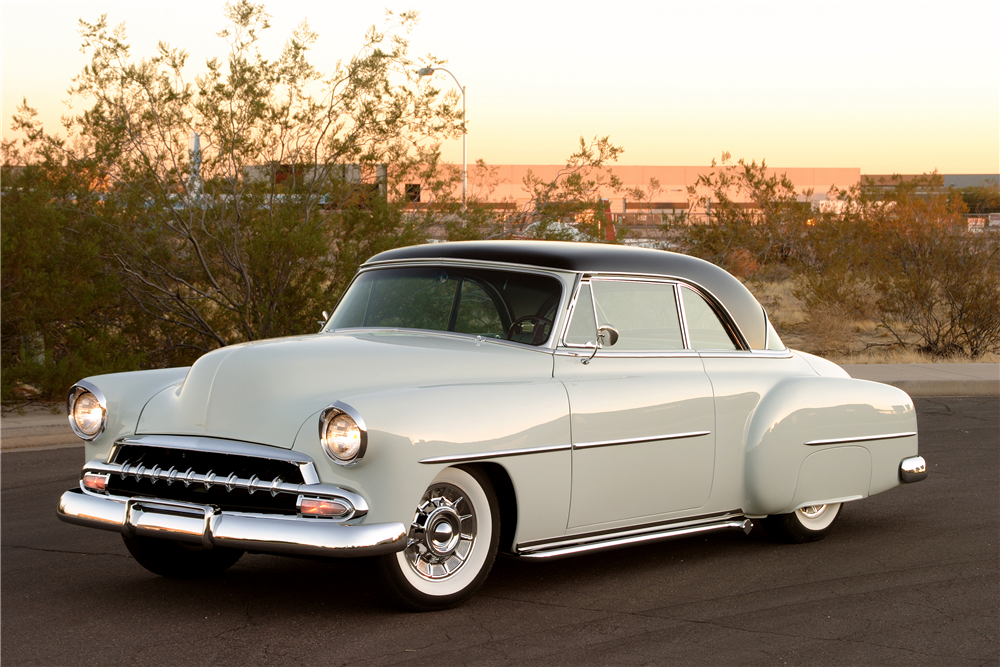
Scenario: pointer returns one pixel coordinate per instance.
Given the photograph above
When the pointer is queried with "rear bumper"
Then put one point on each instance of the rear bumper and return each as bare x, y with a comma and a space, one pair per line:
912, 469
211, 527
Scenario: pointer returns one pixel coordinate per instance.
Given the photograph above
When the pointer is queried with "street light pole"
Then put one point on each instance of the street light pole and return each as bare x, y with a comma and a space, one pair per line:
427, 71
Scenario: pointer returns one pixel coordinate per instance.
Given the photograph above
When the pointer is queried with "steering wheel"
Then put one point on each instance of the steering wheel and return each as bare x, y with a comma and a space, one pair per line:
536, 336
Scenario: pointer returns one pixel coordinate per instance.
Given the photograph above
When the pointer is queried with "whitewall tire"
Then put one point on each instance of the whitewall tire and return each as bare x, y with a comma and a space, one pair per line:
452, 543
806, 524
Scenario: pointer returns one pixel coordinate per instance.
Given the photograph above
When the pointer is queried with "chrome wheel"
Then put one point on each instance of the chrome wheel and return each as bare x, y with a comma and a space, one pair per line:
442, 534
817, 517
452, 543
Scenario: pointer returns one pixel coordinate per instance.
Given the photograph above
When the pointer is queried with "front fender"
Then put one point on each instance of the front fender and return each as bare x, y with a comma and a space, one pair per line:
464, 422
127, 395
845, 421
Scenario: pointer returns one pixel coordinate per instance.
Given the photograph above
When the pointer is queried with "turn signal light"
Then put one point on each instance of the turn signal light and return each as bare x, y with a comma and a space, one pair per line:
330, 508
95, 482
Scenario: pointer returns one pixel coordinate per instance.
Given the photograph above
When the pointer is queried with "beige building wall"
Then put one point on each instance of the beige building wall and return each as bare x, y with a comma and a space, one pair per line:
508, 182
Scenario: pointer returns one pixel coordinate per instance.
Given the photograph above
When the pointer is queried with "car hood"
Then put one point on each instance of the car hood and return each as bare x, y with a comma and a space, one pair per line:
264, 392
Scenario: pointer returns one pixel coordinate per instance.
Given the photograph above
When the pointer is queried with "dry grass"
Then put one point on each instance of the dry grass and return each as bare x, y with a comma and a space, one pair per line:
832, 334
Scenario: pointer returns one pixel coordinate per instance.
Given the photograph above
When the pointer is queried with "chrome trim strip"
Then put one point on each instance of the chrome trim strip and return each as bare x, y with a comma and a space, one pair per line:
604, 353
206, 525
579, 284
679, 301
482, 456
863, 438
614, 533
912, 469
746, 354
632, 441
222, 446
741, 523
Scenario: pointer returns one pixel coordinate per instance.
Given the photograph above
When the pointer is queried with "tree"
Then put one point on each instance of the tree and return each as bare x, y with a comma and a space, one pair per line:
251, 233
63, 312
748, 218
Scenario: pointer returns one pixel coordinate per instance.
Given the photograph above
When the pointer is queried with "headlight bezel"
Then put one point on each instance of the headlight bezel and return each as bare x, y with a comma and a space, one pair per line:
343, 412
77, 392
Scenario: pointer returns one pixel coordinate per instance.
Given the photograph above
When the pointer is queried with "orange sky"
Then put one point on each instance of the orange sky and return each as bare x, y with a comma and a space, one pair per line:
904, 87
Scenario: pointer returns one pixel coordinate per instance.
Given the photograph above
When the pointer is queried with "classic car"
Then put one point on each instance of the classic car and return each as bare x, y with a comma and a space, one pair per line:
539, 399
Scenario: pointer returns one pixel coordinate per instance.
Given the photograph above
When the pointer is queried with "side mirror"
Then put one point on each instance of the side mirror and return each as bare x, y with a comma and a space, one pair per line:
322, 322
607, 335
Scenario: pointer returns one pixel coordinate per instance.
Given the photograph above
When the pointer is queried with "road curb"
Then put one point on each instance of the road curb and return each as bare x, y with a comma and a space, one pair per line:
927, 388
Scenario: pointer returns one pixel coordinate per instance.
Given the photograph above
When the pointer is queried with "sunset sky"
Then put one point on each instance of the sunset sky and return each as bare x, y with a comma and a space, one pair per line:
904, 87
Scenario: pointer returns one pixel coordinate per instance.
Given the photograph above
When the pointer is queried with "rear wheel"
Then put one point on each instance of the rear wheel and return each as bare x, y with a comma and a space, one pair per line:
178, 560
806, 524
452, 543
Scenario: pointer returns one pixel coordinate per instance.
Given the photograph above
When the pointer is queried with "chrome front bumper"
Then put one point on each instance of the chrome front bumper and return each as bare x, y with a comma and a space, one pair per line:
211, 527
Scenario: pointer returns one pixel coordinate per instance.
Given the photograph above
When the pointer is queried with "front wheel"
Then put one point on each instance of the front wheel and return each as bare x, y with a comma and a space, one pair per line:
806, 524
177, 560
452, 543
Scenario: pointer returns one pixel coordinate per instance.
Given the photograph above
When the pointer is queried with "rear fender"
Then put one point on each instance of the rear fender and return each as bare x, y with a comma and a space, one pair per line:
826, 439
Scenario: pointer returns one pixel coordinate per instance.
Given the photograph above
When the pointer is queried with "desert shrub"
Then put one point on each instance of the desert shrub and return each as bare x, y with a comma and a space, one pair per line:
904, 259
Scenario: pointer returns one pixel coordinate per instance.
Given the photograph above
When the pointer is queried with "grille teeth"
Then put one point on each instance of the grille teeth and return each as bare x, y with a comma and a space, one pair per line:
210, 479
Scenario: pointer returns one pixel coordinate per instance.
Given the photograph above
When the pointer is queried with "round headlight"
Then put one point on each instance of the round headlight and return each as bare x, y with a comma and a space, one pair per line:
344, 437
87, 409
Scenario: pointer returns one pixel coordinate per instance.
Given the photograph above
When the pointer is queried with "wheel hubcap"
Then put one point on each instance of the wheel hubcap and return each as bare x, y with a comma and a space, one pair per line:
442, 534
813, 511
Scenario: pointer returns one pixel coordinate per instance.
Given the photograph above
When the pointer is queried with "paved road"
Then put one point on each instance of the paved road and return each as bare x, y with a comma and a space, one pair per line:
909, 577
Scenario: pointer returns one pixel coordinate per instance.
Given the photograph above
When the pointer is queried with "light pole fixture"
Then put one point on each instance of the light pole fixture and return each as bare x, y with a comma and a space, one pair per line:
427, 71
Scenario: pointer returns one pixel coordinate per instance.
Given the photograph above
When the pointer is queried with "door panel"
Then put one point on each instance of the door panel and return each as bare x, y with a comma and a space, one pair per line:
643, 436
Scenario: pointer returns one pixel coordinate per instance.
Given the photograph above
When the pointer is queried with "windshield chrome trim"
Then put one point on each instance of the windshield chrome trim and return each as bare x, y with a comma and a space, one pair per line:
476, 338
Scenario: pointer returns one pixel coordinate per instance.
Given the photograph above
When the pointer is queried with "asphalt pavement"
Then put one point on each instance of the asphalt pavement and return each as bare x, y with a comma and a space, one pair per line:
906, 577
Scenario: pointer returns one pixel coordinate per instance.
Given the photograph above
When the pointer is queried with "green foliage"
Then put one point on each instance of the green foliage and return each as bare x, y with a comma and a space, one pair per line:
63, 315
744, 217
260, 229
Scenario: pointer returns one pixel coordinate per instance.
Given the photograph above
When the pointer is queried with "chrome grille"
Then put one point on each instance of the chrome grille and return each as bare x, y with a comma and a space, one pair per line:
229, 481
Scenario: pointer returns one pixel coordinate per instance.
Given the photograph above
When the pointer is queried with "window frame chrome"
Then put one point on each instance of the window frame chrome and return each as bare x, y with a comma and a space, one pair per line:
725, 319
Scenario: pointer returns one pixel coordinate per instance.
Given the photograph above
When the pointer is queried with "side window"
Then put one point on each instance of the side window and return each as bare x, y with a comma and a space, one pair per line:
645, 314
582, 330
477, 313
705, 331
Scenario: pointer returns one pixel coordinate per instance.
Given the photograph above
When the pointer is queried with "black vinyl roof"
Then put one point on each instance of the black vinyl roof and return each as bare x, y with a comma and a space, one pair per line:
603, 258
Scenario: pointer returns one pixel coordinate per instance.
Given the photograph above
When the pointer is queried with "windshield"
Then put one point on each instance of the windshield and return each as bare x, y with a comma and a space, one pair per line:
506, 305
